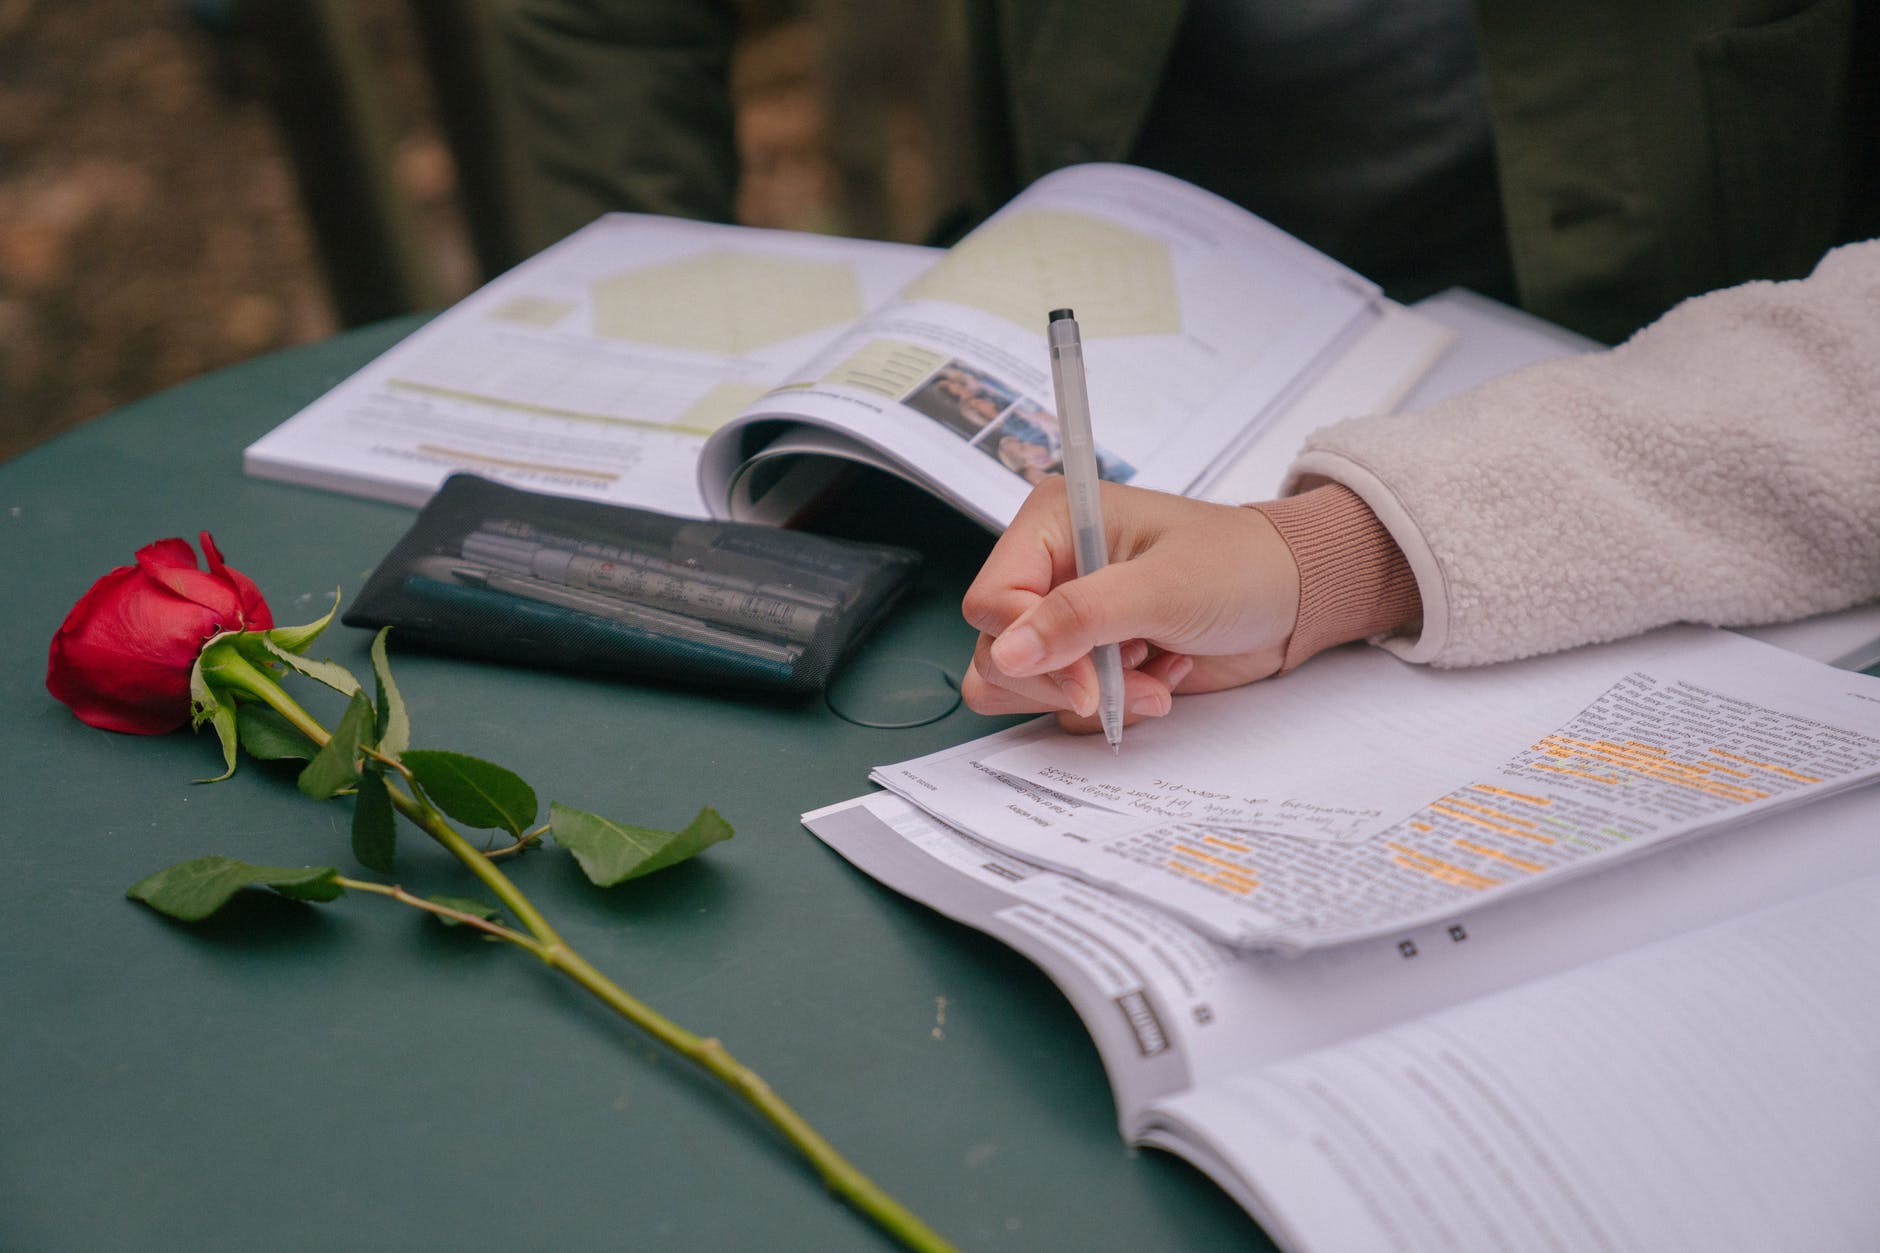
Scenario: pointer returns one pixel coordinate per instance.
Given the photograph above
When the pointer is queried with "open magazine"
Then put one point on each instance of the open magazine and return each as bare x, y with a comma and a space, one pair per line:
1499, 1026
707, 370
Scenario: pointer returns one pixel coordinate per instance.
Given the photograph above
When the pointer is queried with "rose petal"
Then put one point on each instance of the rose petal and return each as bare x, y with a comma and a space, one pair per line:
137, 634
171, 552
256, 616
102, 592
108, 686
152, 712
206, 590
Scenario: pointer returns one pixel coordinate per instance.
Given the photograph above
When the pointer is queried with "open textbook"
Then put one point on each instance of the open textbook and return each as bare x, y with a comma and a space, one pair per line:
708, 370
1410, 1047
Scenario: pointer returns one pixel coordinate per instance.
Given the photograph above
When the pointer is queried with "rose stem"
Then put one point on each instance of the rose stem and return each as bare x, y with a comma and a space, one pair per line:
838, 1174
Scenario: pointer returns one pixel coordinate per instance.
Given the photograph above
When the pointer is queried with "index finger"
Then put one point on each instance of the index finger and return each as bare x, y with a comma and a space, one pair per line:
1034, 555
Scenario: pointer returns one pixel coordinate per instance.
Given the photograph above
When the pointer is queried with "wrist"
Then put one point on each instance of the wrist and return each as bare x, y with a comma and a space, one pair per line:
1354, 582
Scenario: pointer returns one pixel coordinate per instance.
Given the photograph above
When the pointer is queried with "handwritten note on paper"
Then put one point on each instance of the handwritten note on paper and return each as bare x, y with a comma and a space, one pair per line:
1339, 750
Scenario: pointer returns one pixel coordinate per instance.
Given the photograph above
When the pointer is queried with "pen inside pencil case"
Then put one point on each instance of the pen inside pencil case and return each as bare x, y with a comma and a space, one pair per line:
728, 601
646, 621
730, 557
527, 623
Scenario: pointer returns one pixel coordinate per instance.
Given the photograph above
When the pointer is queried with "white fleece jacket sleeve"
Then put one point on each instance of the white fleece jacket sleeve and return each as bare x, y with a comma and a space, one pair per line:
1722, 466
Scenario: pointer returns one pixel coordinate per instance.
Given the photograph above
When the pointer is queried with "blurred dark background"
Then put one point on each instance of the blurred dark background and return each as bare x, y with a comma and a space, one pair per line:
155, 222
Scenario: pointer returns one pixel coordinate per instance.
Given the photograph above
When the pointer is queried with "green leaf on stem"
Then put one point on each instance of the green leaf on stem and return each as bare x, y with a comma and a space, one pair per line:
192, 890
464, 905
206, 706
269, 737
394, 724
612, 852
296, 639
334, 675
374, 825
476, 793
336, 766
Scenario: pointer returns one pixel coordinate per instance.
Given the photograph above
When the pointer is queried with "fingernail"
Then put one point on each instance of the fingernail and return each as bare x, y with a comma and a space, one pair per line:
1178, 670
1018, 650
1151, 706
1081, 701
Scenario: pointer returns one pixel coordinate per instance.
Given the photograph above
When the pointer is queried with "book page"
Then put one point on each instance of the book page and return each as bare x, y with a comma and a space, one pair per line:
1199, 321
1714, 1091
596, 368
1169, 1008
1492, 339
1373, 375
1435, 348
1137, 977
1640, 742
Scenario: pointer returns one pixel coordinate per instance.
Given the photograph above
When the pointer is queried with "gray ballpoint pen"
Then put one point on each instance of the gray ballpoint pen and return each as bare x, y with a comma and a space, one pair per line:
1080, 477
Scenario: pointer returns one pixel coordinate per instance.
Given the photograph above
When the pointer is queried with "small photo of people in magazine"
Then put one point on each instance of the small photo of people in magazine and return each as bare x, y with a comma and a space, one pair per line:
989, 415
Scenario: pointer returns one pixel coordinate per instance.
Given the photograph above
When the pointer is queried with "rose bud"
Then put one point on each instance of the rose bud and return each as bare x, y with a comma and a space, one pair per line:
123, 656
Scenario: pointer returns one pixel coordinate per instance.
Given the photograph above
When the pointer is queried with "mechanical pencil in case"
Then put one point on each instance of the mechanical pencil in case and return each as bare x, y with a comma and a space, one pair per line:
759, 559
565, 608
679, 591
728, 665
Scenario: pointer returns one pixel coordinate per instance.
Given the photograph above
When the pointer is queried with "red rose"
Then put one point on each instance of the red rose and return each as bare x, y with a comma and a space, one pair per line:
123, 656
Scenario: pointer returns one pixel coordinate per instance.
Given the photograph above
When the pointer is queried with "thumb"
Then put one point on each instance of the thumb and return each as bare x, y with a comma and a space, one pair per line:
1119, 602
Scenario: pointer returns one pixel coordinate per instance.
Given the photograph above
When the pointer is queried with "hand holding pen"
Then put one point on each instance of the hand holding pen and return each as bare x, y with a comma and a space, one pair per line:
1197, 596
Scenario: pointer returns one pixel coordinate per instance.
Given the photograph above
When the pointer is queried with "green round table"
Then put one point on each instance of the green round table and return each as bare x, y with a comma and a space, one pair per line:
355, 1076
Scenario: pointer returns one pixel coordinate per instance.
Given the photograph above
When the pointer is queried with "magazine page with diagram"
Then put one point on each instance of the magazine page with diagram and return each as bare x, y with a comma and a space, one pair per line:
686, 367
594, 369
1200, 322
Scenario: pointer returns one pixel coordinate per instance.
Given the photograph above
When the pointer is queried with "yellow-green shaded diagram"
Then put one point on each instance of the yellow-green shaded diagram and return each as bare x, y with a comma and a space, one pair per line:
532, 310
1022, 265
725, 301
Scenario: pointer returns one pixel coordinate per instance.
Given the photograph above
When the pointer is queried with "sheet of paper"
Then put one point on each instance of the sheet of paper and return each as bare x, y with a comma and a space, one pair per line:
1372, 376
596, 369
1169, 1007
1278, 756
1715, 1091
1683, 731
1492, 339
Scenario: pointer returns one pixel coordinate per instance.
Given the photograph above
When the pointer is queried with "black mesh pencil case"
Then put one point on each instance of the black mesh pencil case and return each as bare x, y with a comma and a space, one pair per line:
508, 575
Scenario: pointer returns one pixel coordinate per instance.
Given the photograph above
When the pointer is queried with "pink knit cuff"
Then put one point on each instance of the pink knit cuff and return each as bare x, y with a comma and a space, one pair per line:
1354, 582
